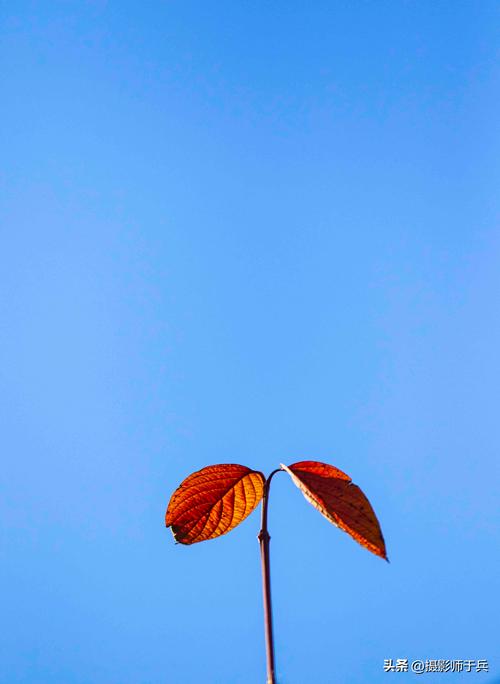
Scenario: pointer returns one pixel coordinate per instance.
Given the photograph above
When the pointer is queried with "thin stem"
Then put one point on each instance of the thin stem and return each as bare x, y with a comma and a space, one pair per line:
264, 539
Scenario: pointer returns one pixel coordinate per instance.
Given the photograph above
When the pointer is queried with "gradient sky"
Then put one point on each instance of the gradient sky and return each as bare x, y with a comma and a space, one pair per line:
248, 232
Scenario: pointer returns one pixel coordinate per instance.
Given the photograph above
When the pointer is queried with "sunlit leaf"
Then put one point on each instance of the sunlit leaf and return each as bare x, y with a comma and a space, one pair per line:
213, 501
343, 503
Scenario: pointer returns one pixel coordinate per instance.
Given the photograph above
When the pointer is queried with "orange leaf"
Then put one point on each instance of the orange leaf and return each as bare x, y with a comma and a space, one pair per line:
213, 501
340, 501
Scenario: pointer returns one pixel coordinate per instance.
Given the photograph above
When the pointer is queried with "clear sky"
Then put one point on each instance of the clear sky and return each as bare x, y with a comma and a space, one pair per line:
248, 232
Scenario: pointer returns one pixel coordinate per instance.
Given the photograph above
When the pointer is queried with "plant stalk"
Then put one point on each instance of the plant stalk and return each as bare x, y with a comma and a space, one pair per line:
264, 539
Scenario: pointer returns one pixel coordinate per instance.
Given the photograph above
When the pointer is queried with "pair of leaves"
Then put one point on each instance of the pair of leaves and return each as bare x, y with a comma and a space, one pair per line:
214, 500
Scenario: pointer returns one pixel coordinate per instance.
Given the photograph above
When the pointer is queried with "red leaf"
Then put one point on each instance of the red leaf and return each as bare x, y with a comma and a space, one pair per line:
213, 501
340, 501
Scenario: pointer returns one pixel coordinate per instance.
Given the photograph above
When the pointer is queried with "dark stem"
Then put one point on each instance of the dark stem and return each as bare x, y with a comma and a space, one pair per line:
264, 539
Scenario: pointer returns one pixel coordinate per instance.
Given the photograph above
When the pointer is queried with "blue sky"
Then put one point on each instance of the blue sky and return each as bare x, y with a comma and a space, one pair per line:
247, 232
